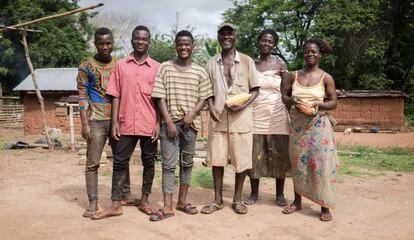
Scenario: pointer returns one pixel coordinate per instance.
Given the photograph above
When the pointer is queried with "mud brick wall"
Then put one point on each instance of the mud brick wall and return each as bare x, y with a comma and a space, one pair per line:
32, 119
384, 112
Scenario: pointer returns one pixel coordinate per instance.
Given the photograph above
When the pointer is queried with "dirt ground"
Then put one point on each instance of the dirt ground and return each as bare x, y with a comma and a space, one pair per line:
42, 196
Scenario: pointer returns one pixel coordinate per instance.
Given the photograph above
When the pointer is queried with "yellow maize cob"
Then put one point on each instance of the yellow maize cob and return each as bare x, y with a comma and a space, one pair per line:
238, 99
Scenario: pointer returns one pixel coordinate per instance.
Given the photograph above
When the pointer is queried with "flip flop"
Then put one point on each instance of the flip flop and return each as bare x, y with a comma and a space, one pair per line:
98, 215
89, 213
291, 209
325, 217
211, 207
249, 201
281, 202
160, 215
130, 201
188, 208
147, 210
239, 208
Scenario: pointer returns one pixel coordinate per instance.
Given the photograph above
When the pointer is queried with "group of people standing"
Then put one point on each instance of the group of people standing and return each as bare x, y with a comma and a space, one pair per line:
137, 99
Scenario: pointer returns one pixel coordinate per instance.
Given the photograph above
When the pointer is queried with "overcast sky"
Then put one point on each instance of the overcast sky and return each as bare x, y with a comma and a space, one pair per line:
160, 15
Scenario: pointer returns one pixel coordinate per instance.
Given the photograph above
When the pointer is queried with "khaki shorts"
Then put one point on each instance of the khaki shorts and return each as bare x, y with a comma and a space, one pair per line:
237, 146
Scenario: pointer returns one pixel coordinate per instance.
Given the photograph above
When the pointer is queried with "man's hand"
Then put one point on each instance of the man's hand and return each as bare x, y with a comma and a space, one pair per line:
172, 131
214, 114
188, 120
115, 132
156, 133
236, 108
87, 133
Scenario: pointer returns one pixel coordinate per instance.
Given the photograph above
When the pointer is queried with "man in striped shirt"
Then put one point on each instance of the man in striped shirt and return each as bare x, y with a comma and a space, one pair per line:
180, 91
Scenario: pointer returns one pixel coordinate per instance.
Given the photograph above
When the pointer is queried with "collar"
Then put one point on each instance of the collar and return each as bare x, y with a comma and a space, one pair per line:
149, 61
236, 57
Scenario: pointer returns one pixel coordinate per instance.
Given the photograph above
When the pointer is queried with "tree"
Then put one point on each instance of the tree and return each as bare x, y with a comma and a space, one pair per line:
373, 41
63, 42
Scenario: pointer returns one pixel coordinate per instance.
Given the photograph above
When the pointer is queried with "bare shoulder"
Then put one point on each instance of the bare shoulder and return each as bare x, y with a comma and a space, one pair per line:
281, 64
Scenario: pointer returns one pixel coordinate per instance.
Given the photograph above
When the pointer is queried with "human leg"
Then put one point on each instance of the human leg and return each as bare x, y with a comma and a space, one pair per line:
93, 156
148, 156
124, 149
254, 194
217, 204
326, 215
295, 206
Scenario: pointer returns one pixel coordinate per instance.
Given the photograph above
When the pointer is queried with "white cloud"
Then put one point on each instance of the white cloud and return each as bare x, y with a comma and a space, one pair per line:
160, 15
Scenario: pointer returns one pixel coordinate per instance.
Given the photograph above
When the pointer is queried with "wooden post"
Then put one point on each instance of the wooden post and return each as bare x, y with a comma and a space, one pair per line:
72, 129
36, 85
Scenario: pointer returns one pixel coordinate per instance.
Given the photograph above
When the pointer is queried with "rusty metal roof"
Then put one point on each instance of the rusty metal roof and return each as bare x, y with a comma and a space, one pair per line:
51, 79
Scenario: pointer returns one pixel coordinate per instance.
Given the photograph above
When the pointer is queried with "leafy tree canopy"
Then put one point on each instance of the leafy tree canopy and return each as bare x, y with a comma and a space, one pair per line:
63, 42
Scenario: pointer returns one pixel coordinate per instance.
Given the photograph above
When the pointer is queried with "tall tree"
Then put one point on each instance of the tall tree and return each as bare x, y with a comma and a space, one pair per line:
63, 42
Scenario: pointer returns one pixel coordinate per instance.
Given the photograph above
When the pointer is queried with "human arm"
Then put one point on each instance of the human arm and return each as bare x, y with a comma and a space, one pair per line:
286, 89
330, 91
82, 81
156, 131
212, 109
115, 132
254, 93
189, 117
172, 132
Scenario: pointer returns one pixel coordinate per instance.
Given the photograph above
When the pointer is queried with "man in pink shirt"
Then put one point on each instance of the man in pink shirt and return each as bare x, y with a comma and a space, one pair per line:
133, 118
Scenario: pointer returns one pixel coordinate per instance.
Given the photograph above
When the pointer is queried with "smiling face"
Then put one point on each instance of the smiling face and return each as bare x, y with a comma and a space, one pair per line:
227, 38
266, 44
140, 41
184, 47
311, 54
104, 44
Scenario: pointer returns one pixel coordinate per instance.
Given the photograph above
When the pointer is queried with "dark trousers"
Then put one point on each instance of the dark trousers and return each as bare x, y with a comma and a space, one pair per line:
123, 152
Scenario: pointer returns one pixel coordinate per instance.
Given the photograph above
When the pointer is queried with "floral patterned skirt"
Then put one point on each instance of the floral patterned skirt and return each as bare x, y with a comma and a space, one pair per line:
313, 156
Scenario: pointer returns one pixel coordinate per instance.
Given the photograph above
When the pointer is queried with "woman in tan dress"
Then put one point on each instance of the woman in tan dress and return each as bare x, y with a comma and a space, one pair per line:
270, 121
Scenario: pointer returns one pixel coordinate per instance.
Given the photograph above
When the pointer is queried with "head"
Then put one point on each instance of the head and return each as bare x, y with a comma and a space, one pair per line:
314, 49
103, 42
266, 41
226, 36
141, 39
184, 44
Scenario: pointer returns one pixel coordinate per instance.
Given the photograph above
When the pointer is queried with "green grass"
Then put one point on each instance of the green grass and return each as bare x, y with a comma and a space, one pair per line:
363, 160
202, 177
107, 174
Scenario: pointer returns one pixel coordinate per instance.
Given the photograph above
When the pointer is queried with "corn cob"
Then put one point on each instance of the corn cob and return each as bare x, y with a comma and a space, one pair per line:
307, 109
238, 99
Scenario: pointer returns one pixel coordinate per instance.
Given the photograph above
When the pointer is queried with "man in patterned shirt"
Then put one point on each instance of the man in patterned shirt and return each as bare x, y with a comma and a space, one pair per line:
95, 112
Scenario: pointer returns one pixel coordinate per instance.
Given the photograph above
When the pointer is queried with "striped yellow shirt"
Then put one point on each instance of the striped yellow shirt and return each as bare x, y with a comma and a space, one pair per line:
182, 89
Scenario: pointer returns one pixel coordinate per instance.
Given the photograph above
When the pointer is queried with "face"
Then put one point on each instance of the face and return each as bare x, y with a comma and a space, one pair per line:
311, 54
184, 47
266, 44
104, 44
140, 41
227, 38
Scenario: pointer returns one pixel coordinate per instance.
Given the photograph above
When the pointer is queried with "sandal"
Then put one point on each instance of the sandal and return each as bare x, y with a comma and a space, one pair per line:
239, 208
146, 209
249, 201
325, 217
291, 209
281, 202
188, 208
130, 201
105, 214
160, 215
212, 207
89, 212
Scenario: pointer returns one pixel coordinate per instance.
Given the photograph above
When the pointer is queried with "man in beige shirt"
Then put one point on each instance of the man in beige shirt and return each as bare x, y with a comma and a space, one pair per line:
230, 128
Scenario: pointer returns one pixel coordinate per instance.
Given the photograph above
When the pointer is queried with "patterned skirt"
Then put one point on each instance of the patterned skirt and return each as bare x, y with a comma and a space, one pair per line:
270, 156
313, 156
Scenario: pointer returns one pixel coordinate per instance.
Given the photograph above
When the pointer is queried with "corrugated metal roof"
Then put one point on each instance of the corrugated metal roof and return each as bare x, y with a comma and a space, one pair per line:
51, 79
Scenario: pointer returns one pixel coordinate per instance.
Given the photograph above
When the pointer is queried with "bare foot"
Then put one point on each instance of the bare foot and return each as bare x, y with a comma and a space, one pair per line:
110, 212
252, 199
130, 201
325, 216
281, 201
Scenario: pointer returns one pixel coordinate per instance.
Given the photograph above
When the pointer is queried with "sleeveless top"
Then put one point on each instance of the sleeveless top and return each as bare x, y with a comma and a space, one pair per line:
311, 94
269, 113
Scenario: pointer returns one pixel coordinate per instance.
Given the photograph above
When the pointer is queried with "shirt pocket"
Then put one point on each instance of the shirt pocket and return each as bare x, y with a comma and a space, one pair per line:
240, 84
146, 86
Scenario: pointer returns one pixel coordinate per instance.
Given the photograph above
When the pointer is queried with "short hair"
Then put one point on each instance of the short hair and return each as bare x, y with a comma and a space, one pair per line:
184, 33
102, 31
324, 46
271, 32
141, 27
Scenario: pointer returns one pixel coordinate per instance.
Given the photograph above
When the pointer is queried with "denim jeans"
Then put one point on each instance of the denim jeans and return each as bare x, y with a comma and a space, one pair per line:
123, 152
179, 150
101, 132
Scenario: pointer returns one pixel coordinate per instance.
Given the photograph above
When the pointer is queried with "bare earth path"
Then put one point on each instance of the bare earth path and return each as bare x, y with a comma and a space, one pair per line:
42, 196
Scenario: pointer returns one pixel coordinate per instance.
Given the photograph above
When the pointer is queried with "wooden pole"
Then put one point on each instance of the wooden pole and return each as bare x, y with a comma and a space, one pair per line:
72, 129
20, 25
36, 85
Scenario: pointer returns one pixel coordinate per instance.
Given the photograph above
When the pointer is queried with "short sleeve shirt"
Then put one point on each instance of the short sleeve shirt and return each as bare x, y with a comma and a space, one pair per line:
132, 83
182, 89
244, 78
